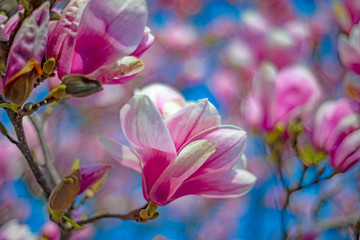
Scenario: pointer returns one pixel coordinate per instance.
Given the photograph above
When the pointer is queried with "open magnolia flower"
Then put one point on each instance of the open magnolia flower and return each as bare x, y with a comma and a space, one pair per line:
188, 152
101, 39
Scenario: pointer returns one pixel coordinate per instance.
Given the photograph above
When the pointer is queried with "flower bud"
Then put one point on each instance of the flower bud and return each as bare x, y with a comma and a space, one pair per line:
78, 85
65, 193
18, 88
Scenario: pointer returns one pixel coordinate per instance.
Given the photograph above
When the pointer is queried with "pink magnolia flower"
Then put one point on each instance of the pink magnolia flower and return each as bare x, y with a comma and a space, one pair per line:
25, 56
280, 97
349, 49
189, 152
336, 131
101, 39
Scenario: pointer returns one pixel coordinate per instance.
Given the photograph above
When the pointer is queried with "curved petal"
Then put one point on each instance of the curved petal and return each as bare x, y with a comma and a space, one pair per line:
121, 68
349, 54
219, 184
344, 127
29, 42
190, 159
92, 173
230, 144
191, 120
121, 153
154, 163
146, 42
333, 120
144, 127
116, 27
347, 153
166, 98
68, 46
63, 27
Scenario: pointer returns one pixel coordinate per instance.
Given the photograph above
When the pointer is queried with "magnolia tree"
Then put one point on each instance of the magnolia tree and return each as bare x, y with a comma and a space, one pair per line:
69, 67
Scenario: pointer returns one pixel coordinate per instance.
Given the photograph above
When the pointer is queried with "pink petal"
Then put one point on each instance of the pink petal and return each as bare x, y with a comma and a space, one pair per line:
11, 23
190, 159
349, 54
253, 112
63, 27
67, 42
347, 153
191, 120
121, 153
297, 90
219, 184
29, 42
120, 69
146, 42
154, 163
162, 95
144, 127
230, 143
115, 27
92, 173
333, 120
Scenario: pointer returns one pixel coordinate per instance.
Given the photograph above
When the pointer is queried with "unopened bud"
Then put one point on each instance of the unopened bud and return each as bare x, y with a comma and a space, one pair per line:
78, 85
65, 193
49, 66
18, 88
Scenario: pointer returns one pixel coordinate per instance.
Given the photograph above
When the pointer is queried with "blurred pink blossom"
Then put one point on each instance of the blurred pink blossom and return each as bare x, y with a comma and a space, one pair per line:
349, 49
280, 97
336, 131
189, 152
51, 231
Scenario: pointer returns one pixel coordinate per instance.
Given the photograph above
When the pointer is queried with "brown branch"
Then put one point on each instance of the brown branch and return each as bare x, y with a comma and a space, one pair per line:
132, 215
16, 120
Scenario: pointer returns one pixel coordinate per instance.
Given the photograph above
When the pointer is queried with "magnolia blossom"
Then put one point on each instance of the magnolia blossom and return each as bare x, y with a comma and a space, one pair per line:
336, 131
189, 152
349, 49
280, 97
101, 39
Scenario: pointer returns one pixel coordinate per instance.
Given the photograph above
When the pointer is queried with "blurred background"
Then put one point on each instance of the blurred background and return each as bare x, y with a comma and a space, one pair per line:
206, 49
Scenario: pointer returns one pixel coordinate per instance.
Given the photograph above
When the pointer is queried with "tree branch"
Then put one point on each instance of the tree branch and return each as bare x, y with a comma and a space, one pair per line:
16, 120
46, 152
132, 215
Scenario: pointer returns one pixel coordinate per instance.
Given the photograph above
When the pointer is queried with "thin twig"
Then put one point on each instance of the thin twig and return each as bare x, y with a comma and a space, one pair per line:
16, 120
132, 215
46, 152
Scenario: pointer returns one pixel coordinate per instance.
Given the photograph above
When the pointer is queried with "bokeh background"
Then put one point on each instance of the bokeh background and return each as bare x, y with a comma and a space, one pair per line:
206, 49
